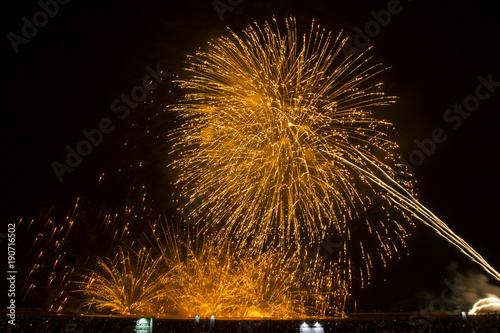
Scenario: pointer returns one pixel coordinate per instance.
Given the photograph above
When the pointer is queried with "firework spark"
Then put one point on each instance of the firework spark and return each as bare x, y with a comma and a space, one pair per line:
268, 122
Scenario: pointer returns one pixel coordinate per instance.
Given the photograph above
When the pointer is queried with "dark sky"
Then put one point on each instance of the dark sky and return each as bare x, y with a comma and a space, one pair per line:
65, 77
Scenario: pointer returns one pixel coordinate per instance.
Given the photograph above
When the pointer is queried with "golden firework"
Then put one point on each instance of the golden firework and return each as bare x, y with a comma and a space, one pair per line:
273, 122
204, 277
127, 284
200, 277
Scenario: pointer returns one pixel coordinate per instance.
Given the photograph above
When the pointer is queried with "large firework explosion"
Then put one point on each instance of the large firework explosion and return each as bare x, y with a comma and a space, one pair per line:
269, 121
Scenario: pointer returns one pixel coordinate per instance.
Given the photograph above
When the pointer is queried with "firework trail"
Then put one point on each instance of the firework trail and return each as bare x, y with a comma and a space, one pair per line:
406, 201
268, 120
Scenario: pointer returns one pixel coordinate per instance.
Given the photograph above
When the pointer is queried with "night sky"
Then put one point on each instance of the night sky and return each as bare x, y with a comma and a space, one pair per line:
64, 79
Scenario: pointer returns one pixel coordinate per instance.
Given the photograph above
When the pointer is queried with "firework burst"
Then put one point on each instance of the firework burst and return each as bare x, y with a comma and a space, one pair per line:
269, 120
